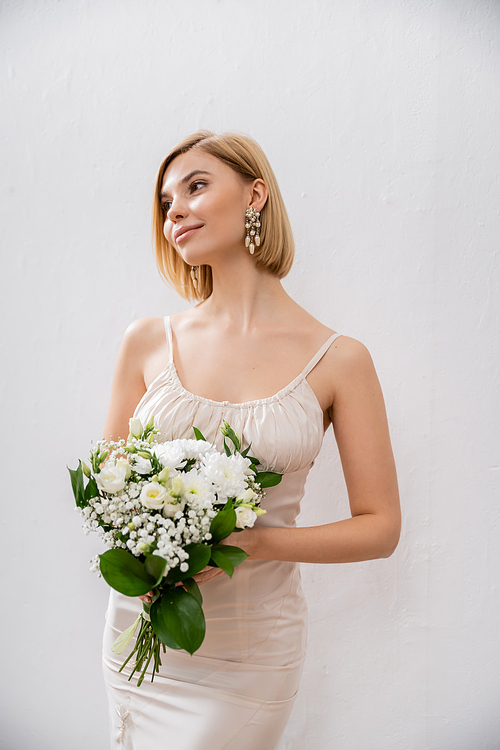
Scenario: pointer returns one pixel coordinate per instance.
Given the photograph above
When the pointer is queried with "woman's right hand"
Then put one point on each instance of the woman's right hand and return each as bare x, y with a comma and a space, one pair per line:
207, 574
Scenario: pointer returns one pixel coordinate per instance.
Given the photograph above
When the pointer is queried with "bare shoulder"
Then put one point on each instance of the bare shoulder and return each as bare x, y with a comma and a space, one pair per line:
144, 332
350, 355
349, 368
143, 345
142, 337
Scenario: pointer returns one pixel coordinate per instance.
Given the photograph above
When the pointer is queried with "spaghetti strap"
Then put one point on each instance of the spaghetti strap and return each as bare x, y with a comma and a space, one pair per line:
314, 361
168, 335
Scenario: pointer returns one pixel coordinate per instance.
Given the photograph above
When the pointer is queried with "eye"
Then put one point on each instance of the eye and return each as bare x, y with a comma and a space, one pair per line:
166, 206
194, 184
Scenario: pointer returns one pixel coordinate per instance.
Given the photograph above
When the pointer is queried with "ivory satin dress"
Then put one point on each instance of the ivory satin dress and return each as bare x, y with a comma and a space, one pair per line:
236, 692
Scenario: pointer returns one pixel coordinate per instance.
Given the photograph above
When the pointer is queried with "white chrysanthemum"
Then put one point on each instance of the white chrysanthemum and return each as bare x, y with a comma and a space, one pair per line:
142, 465
225, 473
197, 489
197, 448
170, 454
243, 463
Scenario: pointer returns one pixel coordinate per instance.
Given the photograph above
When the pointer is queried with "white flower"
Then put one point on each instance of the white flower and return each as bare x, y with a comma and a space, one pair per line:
225, 473
246, 496
197, 488
123, 462
133, 490
170, 454
196, 448
153, 496
244, 517
142, 465
112, 478
171, 509
243, 463
135, 427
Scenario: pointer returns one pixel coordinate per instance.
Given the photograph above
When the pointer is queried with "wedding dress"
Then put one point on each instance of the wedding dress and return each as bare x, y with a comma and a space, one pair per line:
236, 692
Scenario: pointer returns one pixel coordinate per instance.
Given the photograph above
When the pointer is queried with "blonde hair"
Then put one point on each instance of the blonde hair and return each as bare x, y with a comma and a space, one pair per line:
244, 156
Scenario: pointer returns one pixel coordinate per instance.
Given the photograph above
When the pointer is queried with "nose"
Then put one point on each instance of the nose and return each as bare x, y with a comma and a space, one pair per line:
177, 210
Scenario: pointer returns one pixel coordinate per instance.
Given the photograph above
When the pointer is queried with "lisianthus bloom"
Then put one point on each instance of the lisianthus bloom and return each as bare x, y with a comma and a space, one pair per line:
153, 496
112, 477
245, 517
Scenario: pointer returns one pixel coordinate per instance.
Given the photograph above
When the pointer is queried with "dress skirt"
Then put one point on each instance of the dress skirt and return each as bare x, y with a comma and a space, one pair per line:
237, 691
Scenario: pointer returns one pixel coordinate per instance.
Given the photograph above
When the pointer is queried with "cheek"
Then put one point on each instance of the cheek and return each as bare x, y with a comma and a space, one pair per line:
230, 224
167, 231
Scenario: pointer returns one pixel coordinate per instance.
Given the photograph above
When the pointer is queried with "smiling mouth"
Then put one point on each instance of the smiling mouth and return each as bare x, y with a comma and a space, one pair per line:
187, 234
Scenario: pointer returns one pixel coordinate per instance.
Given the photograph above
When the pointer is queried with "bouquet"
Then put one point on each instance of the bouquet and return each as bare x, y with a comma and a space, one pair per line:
162, 510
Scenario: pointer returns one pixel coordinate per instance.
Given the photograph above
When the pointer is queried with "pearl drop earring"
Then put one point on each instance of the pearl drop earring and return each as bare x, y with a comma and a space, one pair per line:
252, 225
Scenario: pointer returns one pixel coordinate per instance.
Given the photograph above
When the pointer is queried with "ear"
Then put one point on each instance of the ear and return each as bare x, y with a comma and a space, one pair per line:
258, 194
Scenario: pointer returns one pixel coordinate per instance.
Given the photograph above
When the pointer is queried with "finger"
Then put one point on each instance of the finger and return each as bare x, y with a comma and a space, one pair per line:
205, 577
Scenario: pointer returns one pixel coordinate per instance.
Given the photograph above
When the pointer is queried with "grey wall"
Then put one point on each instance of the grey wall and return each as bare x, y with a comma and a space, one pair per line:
381, 121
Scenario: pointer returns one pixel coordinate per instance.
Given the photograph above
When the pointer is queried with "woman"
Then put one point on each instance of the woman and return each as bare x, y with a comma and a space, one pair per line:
249, 354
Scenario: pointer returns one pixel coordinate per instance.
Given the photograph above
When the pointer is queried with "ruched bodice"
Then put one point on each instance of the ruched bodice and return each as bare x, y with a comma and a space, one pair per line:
286, 430
238, 689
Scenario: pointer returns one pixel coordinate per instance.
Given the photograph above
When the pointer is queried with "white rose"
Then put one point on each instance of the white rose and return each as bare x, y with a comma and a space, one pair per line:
135, 427
112, 478
245, 517
153, 496
142, 465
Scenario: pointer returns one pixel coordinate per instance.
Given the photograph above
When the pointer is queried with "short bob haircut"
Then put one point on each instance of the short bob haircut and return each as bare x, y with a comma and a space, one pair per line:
245, 156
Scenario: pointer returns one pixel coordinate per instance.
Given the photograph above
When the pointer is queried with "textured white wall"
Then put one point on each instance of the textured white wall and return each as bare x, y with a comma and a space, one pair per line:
381, 121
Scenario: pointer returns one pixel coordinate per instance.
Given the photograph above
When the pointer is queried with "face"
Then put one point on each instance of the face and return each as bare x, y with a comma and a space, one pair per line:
204, 203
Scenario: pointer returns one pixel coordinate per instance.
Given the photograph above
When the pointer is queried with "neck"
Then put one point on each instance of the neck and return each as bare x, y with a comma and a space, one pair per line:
245, 297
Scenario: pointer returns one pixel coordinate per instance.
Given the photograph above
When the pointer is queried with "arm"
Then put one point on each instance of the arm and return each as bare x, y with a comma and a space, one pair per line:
360, 425
128, 380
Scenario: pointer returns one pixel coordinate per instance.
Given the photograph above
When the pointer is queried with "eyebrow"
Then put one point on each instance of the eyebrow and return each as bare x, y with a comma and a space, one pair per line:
187, 178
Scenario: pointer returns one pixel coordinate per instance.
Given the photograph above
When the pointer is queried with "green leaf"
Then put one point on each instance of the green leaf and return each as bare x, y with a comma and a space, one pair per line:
226, 448
235, 555
220, 560
182, 617
224, 522
193, 588
199, 555
245, 452
198, 434
268, 478
91, 489
77, 485
254, 460
155, 565
125, 573
160, 627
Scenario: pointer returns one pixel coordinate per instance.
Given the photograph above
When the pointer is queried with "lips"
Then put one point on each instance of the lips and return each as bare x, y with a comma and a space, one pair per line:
183, 232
